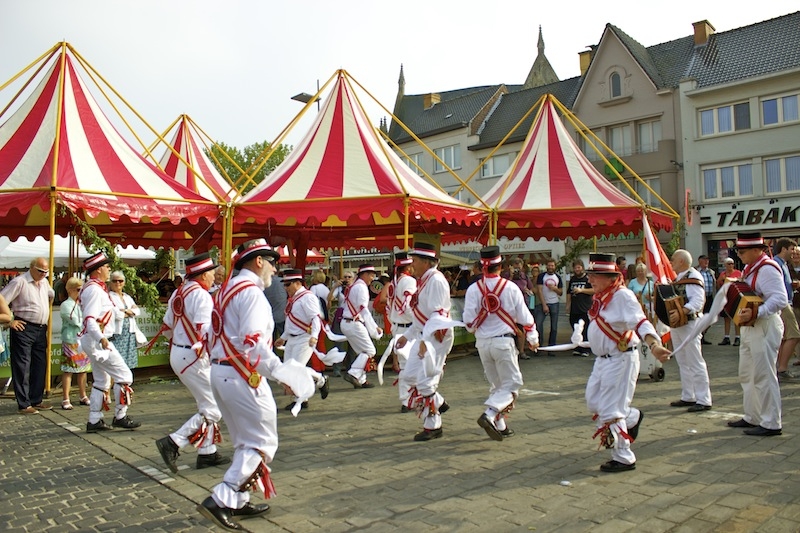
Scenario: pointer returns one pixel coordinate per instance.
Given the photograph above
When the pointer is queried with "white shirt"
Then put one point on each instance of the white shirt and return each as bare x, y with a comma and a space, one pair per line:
622, 313
197, 306
511, 300
433, 297
96, 305
695, 294
400, 304
302, 307
29, 300
769, 285
548, 295
121, 303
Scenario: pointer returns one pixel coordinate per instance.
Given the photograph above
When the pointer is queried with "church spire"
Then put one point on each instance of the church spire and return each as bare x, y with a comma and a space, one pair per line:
541, 72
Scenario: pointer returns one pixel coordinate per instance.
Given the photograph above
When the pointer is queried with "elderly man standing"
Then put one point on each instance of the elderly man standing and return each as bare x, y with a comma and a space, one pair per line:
424, 367
29, 296
107, 363
791, 333
761, 336
303, 324
359, 326
710, 283
493, 309
187, 321
241, 359
688, 285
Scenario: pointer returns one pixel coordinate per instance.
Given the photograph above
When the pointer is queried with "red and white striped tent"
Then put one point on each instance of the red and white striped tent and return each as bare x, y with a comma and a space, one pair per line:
552, 190
188, 164
342, 182
58, 148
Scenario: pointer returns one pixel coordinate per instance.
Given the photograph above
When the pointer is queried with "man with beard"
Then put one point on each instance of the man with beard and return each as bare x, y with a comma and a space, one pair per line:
360, 328
241, 362
425, 366
579, 301
186, 324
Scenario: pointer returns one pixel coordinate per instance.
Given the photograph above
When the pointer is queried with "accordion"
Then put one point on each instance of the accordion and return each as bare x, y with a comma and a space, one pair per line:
667, 300
741, 296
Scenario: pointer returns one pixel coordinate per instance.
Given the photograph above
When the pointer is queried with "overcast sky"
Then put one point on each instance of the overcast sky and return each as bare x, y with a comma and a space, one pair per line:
233, 65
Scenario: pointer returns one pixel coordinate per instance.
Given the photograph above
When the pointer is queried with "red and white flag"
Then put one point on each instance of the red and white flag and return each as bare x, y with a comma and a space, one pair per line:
657, 261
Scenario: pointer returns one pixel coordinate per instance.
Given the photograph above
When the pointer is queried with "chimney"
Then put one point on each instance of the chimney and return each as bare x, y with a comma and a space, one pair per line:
430, 100
702, 31
585, 58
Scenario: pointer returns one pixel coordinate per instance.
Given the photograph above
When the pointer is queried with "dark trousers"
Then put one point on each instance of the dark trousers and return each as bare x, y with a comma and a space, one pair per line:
29, 364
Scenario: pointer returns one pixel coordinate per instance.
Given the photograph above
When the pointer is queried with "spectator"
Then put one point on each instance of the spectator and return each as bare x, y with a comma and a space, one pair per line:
521, 280
321, 291
277, 298
219, 279
535, 301
29, 296
165, 285
60, 289
794, 270
462, 282
73, 359
579, 301
476, 272
125, 313
709, 283
551, 287
730, 272
642, 287
622, 265
791, 333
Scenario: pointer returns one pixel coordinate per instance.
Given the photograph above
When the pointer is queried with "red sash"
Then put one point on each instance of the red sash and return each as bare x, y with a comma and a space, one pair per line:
490, 304
106, 317
353, 311
178, 309
241, 363
755, 267
294, 319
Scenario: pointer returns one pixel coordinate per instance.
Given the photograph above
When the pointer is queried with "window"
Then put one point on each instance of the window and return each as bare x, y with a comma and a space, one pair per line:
649, 134
497, 165
725, 119
586, 146
783, 174
779, 109
728, 181
615, 82
451, 155
414, 161
619, 140
648, 197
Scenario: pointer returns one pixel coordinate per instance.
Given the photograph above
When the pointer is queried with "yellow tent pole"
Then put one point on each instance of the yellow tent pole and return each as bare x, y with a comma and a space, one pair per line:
406, 210
227, 238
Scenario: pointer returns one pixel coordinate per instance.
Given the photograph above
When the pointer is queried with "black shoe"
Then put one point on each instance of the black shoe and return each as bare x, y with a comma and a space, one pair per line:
125, 422
634, 431
98, 426
219, 515
703, 341
506, 433
443, 408
428, 434
725, 342
289, 407
741, 423
404, 409
214, 459
762, 432
699, 407
324, 390
351, 379
489, 428
616, 466
681, 403
169, 452
250, 511
367, 385
737, 342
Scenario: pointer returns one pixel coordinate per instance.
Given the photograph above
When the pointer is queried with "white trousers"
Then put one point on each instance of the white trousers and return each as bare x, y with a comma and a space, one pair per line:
609, 393
102, 373
426, 383
253, 426
358, 337
402, 382
695, 385
758, 355
501, 367
297, 349
195, 374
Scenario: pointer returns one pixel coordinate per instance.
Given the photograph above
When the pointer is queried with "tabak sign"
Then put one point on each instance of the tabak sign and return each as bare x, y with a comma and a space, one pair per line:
754, 215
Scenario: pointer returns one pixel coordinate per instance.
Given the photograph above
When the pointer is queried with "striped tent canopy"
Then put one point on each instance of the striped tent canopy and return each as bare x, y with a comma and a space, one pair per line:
552, 190
188, 164
60, 157
342, 182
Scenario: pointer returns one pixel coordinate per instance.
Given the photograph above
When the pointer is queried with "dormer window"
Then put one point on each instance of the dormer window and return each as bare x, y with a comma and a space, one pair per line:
615, 82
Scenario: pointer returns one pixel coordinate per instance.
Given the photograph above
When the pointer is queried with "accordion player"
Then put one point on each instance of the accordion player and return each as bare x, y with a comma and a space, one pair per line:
740, 296
673, 298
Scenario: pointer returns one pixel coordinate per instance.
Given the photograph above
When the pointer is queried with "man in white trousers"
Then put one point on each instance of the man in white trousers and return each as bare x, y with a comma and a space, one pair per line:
360, 328
186, 324
302, 327
424, 367
398, 303
94, 338
493, 306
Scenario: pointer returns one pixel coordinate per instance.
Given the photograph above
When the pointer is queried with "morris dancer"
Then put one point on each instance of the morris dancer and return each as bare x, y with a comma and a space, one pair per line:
432, 297
241, 357
303, 324
492, 309
617, 324
758, 352
186, 324
399, 293
358, 326
695, 385
107, 363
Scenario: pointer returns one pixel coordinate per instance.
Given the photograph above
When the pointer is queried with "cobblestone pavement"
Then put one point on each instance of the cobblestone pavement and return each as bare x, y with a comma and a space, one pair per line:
349, 462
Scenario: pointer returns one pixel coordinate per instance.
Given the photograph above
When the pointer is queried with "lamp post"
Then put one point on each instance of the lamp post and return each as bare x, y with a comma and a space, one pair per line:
306, 98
